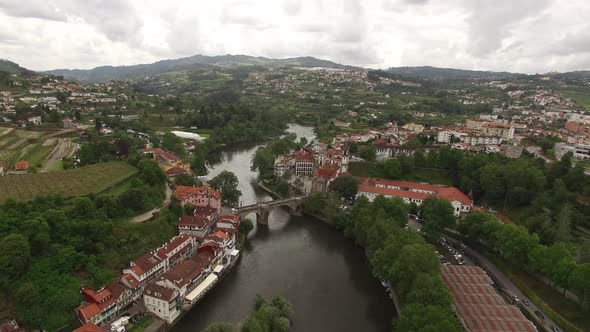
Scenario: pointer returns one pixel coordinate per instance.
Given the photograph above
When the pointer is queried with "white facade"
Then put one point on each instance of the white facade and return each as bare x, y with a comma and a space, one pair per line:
166, 310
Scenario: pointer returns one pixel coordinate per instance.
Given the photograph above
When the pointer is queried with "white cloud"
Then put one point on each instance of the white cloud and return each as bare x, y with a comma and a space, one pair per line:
523, 36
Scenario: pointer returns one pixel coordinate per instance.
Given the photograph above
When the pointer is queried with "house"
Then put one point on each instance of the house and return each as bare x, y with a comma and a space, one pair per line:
22, 165
383, 149
226, 241
229, 223
323, 177
166, 160
200, 224
198, 196
412, 192
89, 327
162, 302
34, 120
68, 123
187, 275
304, 162
97, 308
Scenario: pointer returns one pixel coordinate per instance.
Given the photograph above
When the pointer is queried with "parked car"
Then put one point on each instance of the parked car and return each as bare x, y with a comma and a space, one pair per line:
539, 314
554, 328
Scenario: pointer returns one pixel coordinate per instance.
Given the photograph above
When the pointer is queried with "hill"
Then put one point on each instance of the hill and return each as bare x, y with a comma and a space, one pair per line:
435, 73
11, 67
106, 73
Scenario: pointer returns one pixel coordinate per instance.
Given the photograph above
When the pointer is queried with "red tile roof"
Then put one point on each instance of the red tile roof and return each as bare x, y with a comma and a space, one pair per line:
88, 310
199, 221
89, 327
478, 304
96, 297
183, 273
327, 171
133, 283
221, 235
182, 192
22, 165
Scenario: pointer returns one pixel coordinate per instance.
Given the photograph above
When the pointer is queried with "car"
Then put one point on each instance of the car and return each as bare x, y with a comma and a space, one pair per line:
554, 328
539, 314
526, 302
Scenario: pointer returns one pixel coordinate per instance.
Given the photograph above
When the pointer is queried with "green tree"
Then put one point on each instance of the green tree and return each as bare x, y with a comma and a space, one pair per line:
346, 186
562, 225
368, 153
227, 184
185, 179
313, 203
413, 260
392, 169
437, 214
246, 226
15, 255
429, 318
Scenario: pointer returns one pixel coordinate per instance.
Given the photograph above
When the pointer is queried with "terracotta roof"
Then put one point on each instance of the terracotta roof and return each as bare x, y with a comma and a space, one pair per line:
392, 192
453, 194
97, 297
231, 218
199, 221
175, 170
327, 171
133, 283
146, 262
88, 310
176, 242
21, 165
159, 292
182, 192
183, 273
116, 289
89, 327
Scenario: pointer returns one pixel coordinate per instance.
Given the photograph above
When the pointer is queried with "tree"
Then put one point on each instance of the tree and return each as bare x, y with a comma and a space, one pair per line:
77, 115
313, 203
392, 169
414, 259
14, 256
515, 243
368, 153
227, 184
151, 173
246, 226
185, 179
427, 288
346, 186
429, 318
562, 225
438, 214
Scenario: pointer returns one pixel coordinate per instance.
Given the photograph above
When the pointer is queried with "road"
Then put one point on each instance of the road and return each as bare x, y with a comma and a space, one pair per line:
65, 148
148, 215
499, 278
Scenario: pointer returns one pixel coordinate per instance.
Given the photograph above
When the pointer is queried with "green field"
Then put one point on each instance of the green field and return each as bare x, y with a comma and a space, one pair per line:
580, 98
16, 144
428, 175
74, 182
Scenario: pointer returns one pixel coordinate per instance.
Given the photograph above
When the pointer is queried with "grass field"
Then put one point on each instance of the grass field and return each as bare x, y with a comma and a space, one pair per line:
74, 182
428, 175
580, 98
17, 144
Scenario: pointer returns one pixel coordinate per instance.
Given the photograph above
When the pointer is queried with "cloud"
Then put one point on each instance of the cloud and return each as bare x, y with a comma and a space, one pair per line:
524, 35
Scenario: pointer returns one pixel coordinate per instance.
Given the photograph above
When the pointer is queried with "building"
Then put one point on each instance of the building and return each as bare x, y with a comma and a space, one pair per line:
88, 327
304, 163
98, 307
200, 224
34, 120
412, 192
198, 196
323, 177
162, 302
283, 164
3, 169
22, 165
166, 160
579, 151
68, 123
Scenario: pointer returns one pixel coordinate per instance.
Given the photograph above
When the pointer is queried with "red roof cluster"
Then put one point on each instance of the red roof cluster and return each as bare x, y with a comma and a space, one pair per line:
160, 155
89, 327
182, 192
480, 307
327, 171
374, 185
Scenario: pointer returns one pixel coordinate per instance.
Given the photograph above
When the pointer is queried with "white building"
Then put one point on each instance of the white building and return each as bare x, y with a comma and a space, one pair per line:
162, 302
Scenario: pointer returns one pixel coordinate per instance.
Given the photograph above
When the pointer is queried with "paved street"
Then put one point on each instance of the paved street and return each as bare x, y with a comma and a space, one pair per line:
500, 279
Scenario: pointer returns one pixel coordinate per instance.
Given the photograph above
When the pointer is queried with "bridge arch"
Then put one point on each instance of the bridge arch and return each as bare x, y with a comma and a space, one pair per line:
263, 209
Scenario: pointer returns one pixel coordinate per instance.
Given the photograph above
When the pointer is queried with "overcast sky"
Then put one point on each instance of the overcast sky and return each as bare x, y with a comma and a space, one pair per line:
513, 35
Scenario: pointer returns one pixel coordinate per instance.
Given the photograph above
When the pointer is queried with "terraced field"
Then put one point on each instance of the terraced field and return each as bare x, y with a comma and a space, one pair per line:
16, 144
69, 183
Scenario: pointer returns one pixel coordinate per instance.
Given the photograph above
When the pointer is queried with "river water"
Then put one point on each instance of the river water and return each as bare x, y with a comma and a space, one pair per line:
321, 273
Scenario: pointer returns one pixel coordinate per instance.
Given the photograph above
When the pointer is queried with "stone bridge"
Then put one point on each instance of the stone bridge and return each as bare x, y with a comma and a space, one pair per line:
262, 209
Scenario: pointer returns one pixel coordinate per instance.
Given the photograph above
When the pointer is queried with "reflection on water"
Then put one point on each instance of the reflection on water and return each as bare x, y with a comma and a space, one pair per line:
324, 275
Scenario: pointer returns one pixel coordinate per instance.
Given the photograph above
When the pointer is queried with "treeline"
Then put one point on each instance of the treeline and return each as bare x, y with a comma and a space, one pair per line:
274, 315
402, 258
539, 190
49, 245
523, 251
235, 122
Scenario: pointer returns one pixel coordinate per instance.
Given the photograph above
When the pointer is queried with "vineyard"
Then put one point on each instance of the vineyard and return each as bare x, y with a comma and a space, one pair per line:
69, 183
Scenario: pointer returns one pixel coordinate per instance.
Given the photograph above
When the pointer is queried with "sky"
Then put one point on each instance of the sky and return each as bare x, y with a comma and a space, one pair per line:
527, 36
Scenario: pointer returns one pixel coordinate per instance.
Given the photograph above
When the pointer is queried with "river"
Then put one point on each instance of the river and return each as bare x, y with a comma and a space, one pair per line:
321, 273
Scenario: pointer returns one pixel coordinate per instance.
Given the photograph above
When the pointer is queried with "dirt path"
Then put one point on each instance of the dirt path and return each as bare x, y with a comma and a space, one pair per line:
147, 215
